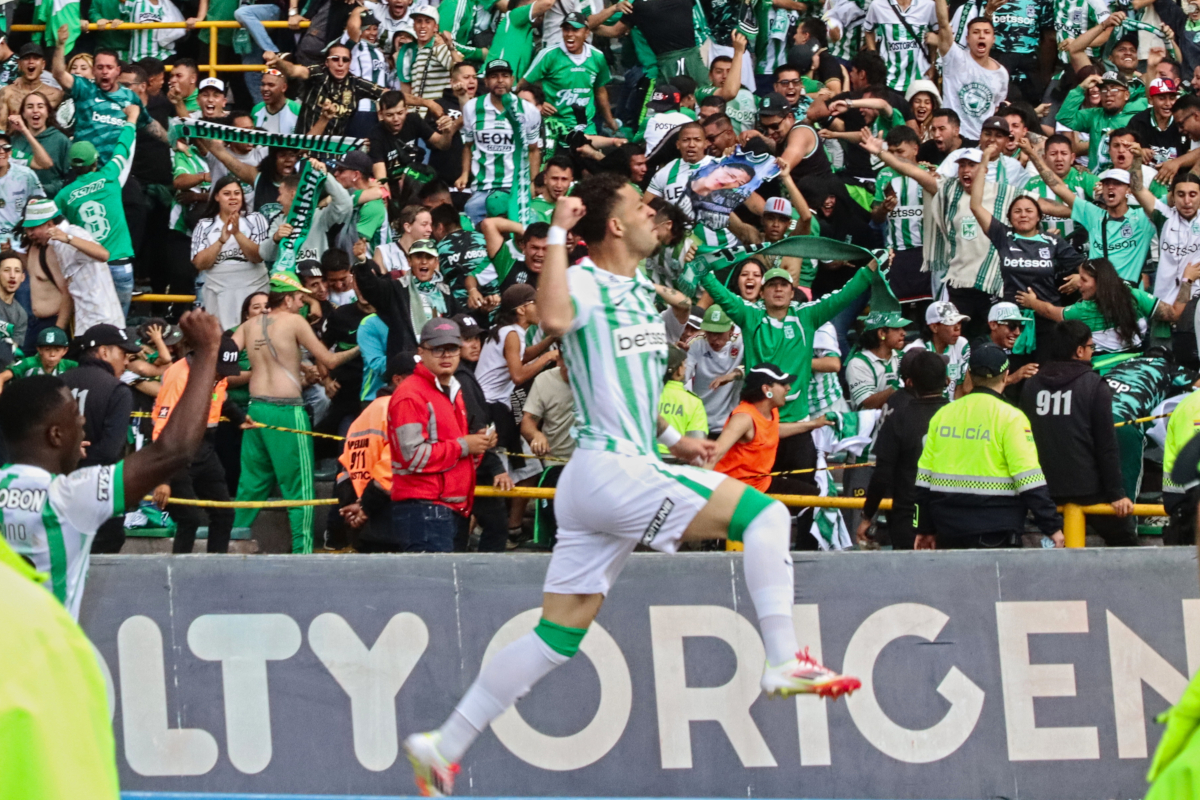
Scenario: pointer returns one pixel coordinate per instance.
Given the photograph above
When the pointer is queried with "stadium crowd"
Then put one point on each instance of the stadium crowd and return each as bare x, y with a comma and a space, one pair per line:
1025, 174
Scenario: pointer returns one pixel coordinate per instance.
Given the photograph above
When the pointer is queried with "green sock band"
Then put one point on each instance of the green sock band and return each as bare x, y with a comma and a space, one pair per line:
559, 638
750, 505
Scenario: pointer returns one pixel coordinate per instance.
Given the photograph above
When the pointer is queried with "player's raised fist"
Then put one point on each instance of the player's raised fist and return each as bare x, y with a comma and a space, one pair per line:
568, 211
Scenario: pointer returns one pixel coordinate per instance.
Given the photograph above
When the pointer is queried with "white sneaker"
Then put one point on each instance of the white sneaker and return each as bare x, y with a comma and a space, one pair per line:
805, 675
434, 774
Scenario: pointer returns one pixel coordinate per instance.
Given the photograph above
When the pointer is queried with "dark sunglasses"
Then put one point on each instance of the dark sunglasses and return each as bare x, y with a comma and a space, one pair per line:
774, 126
338, 59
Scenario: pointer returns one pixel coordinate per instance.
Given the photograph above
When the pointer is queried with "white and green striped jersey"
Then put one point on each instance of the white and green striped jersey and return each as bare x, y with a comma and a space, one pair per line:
779, 22
903, 231
825, 390
369, 63
868, 374
1080, 182
848, 15
490, 135
742, 110
957, 355
52, 519
283, 121
1073, 17
906, 57
188, 162
671, 181
710, 239
617, 348
144, 43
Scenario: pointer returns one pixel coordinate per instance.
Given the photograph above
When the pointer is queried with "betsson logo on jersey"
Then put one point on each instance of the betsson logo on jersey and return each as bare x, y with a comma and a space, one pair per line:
634, 340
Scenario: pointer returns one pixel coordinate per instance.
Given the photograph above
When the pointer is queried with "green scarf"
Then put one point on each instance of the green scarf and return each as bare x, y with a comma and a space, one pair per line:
522, 190
203, 129
300, 216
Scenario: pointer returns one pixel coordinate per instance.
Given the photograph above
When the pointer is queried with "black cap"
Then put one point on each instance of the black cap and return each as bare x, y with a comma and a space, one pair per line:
104, 334
309, 268
764, 375
497, 66
358, 160
227, 359
665, 98
1112, 76
997, 124
576, 19
774, 105
367, 19
403, 364
468, 326
31, 49
987, 360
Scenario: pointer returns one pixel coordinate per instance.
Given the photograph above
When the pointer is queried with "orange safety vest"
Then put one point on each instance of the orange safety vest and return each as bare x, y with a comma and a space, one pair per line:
367, 455
749, 462
173, 382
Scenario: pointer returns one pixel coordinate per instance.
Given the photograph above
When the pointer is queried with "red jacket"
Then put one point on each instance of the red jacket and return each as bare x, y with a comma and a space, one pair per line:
429, 454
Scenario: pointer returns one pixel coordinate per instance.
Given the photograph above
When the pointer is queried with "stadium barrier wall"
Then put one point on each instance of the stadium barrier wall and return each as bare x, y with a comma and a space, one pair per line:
1032, 674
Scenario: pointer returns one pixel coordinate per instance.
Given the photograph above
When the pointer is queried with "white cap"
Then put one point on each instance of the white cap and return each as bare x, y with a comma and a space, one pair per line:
212, 83
778, 205
423, 10
944, 313
1118, 175
971, 154
923, 86
1005, 312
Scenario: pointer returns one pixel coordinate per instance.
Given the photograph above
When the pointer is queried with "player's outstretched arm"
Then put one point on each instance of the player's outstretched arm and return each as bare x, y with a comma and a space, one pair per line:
553, 296
176, 445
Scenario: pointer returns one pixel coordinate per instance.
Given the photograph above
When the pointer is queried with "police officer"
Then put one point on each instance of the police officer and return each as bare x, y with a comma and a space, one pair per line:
682, 410
106, 404
979, 471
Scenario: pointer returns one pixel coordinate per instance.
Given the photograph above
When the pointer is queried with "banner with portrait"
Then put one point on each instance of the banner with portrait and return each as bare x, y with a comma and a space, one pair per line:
716, 189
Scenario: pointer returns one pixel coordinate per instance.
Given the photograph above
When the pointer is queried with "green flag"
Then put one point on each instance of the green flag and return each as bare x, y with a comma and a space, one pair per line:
813, 247
54, 14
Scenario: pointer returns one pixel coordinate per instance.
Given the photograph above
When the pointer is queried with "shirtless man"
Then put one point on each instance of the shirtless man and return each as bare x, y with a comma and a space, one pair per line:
31, 64
273, 341
47, 292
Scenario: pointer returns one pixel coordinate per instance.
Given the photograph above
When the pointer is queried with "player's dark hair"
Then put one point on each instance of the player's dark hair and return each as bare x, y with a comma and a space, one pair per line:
213, 208
562, 162
871, 64
329, 50
391, 99
977, 20
535, 90
718, 119
187, 63
26, 404
1186, 102
269, 169
685, 85
433, 189
692, 124
1126, 131
1113, 298
445, 215
334, 260
902, 134
599, 193
459, 67
713, 101
782, 68
1067, 337
535, 230
139, 74
107, 51
1036, 207
950, 114
721, 59
1058, 138
152, 66
816, 28
1174, 67
927, 371
1182, 177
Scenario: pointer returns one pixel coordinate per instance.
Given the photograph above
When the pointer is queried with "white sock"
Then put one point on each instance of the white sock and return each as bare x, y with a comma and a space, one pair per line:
501, 683
767, 564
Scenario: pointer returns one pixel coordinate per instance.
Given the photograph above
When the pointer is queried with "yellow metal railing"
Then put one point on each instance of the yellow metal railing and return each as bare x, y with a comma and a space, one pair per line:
212, 67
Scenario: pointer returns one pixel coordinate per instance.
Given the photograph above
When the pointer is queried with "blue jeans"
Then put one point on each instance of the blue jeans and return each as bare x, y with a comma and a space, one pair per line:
251, 18
122, 278
476, 206
429, 528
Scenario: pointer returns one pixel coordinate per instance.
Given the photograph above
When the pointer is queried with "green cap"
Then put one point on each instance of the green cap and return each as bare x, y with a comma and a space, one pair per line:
53, 337
716, 320
497, 204
82, 154
284, 281
676, 357
889, 319
778, 272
